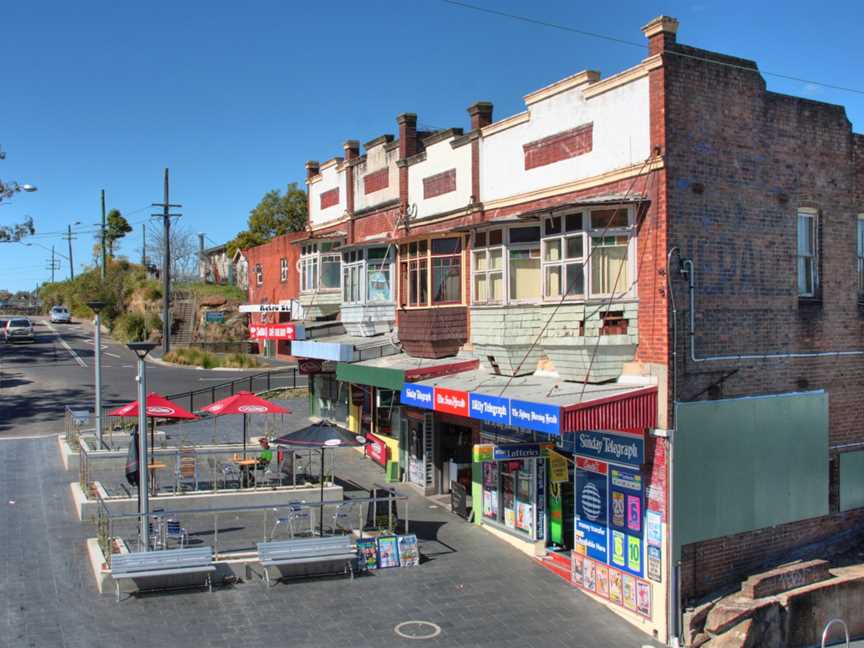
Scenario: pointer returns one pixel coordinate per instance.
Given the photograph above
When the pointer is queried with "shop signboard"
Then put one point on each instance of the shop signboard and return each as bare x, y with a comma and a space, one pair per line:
558, 470
493, 409
520, 451
273, 331
309, 366
451, 401
376, 449
592, 514
417, 396
535, 416
483, 452
611, 446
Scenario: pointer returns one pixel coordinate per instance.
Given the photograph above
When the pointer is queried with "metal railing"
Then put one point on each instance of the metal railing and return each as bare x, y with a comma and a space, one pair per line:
236, 529
73, 421
842, 624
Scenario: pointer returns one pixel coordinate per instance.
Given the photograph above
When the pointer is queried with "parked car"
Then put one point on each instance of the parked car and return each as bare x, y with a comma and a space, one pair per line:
19, 329
60, 315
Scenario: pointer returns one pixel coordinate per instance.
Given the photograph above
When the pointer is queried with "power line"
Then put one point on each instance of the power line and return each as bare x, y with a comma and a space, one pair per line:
622, 41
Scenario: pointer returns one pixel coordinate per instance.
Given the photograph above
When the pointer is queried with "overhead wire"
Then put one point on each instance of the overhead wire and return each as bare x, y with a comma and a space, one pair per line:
622, 41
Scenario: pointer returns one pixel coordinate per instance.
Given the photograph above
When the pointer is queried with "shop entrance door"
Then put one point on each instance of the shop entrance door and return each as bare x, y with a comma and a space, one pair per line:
453, 456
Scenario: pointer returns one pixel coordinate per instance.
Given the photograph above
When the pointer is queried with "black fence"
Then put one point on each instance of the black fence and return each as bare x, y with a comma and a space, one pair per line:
287, 378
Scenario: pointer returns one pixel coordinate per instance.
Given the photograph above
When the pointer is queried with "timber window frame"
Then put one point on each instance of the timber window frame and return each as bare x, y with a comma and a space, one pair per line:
807, 252
316, 268
283, 270
432, 272
367, 276
259, 275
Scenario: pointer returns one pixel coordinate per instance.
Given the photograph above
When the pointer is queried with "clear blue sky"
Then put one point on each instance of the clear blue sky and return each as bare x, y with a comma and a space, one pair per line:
235, 97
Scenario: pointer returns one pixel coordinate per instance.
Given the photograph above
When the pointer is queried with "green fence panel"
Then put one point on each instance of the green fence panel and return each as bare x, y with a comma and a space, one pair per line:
749, 463
851, 480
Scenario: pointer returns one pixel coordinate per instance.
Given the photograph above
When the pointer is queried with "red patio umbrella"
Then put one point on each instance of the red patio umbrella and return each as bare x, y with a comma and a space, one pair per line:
244, 403
157, 407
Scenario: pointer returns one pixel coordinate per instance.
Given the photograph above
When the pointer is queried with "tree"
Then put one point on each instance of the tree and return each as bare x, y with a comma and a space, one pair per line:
18, 231
116, 228
184, 252
276, 214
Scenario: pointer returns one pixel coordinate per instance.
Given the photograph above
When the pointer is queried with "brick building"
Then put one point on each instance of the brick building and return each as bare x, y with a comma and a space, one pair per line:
559, 311
273, 279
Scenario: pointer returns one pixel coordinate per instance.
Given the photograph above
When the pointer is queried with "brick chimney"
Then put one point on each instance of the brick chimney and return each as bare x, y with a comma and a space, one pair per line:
660, 33
481, 114
407, 147
313, 168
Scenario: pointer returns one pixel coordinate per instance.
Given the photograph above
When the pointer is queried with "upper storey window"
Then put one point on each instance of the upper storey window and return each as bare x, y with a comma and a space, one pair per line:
430, 272
320, 267
366, 276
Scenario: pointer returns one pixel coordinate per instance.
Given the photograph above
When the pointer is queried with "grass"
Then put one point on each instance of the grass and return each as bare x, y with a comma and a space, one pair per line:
198, 358
208, 290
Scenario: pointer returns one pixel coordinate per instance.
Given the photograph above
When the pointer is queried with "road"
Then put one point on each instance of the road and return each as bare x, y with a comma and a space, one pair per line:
60, 362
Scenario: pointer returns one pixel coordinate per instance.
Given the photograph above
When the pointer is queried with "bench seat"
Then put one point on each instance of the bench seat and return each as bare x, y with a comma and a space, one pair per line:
164, 569
330, 553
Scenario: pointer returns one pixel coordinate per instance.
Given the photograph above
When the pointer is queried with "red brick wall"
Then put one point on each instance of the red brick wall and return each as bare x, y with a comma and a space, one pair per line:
440, 183
376, 181
268, 255
560, 146
741, 161
329, 198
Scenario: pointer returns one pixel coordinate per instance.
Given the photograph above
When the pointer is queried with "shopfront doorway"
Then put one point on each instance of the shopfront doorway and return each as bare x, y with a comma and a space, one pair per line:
452, 461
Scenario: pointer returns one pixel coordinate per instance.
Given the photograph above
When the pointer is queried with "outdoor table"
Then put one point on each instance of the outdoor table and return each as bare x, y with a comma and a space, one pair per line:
153, 467
246, 466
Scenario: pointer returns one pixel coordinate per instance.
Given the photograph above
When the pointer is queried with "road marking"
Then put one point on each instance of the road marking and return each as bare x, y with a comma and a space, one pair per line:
113, 355
23, 438
66, 346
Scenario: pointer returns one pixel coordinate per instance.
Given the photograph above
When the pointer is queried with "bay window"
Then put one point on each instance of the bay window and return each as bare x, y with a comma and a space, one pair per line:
430, 272
366, 276
320, 267
352, 276
580, 255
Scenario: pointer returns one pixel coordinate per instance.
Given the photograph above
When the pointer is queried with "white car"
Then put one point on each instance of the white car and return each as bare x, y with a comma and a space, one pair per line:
60, 315
19, 329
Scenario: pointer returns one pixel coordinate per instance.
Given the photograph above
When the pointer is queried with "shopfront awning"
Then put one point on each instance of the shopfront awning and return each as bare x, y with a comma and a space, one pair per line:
538, 403
392, 372
345, 348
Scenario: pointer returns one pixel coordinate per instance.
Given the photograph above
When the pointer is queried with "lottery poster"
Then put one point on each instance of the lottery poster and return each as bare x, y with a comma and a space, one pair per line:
627, 529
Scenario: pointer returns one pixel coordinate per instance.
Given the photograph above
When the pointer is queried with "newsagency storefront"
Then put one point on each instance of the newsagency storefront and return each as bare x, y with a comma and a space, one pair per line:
590, 503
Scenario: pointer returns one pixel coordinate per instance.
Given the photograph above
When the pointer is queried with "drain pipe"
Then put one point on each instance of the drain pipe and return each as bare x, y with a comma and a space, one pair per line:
688, 270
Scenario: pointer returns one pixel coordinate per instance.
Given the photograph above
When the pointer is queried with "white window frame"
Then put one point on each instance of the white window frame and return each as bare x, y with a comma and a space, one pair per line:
812, 215
353, 266
486, 250
388, 261
859, 232
312, 257
259, 275
538, 245
587, 233
561, 238
283, 269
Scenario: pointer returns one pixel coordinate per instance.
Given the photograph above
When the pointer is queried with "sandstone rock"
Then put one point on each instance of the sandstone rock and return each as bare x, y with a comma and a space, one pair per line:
694, 620
736, 637
212, 301
699, 640
731, 610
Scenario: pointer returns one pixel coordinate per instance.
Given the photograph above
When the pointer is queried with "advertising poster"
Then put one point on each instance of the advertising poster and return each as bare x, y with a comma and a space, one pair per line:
367, 553
591, 514
629, 586
556, 515
653, 529
634, 554
643, 598
590, 575
603, 581
388, 552
490, 504
576, 572
619, 551
616, 594
654, 563
409, 554
558, 471
541, 499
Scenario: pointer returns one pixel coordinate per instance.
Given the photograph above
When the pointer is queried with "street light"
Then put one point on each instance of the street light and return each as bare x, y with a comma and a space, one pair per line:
141, 349
96, 307
9, 189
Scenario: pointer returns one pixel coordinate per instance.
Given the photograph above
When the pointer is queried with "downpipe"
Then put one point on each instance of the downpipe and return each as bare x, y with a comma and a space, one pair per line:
688, 270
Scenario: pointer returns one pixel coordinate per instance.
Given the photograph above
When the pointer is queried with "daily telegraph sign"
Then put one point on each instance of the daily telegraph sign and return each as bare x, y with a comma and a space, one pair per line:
540, 417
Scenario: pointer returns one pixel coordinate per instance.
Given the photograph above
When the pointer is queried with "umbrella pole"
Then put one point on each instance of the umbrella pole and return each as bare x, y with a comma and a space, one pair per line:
152, 437
244, 436
321, 516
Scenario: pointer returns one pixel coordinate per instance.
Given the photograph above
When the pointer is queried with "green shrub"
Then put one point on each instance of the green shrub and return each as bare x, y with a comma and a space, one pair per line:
130, 327
154, 322
153, 293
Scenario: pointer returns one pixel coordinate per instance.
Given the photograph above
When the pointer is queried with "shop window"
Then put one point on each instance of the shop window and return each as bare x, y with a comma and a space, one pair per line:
283, 269
430, 272
509, 494
808, 278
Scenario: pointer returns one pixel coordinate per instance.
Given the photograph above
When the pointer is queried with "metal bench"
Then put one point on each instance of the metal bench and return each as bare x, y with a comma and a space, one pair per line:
308, 556
173, 568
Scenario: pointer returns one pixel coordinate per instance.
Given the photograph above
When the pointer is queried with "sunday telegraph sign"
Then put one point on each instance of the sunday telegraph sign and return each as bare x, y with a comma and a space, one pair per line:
609, 446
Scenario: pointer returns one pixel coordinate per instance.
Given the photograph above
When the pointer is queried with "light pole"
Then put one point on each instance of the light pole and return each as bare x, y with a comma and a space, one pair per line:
96, 307
141, 349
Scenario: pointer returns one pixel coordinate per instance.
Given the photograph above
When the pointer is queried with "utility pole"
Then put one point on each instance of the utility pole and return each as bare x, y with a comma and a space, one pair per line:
103, 235
70, 238
166, 265
143, 244
54, 264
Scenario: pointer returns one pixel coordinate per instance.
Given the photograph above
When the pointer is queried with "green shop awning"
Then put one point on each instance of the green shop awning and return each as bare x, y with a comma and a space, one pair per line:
360, 374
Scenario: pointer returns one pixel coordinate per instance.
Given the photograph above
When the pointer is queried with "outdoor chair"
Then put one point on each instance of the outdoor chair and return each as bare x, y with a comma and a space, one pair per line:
274, 471
186, 469
345, 517
230, 472
173, 531
298, 521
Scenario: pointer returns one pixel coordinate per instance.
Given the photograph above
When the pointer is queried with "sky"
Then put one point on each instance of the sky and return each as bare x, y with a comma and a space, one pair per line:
235, 97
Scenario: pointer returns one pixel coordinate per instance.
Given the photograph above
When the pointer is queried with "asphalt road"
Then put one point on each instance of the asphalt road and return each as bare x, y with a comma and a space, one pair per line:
37, 380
